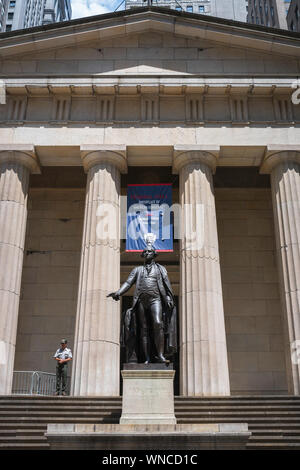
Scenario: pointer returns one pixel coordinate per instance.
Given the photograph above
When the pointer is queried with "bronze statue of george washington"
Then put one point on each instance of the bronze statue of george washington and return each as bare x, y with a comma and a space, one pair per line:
149, 329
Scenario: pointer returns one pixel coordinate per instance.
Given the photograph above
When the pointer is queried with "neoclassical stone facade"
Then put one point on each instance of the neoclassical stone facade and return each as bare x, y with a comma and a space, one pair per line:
151, 97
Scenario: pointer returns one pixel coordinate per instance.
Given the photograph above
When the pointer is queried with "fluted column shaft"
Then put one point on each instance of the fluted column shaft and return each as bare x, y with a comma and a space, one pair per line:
203, 352
15, 168
96, 364
285, 182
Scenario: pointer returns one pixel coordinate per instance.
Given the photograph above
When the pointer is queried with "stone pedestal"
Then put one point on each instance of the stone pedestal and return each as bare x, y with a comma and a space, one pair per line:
203, 350
148, 396
15, 168
96, 364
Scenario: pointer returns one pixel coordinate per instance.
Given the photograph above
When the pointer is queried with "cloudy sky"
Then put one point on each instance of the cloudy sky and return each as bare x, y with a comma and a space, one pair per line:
83, 8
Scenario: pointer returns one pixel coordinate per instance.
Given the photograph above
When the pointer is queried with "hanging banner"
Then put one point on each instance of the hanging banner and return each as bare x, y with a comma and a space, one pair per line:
149, 217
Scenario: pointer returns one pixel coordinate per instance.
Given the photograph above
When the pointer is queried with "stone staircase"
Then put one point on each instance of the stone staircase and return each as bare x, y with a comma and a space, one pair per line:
24, 419
273, 420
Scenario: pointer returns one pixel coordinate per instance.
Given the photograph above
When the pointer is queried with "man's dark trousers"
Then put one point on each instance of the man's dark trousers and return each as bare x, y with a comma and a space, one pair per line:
61, 377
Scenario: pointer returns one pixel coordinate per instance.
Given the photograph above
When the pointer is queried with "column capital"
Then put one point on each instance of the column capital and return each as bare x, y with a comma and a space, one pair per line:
279, 154
185, 154
23, 154
92, 155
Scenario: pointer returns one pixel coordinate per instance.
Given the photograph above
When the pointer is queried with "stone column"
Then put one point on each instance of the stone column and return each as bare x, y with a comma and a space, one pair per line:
15, 168
203, 352
284, 167
96, 363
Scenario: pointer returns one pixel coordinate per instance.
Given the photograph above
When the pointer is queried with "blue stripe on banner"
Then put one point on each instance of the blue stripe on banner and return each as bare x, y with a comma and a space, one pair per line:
149, 211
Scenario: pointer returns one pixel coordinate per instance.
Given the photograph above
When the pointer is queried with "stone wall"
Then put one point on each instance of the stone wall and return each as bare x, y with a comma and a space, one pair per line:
50, 276
251, 291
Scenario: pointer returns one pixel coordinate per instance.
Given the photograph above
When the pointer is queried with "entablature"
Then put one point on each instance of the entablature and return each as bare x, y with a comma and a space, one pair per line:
161, 100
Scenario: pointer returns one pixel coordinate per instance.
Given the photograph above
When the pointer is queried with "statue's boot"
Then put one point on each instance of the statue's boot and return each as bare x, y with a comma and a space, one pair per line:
159, 344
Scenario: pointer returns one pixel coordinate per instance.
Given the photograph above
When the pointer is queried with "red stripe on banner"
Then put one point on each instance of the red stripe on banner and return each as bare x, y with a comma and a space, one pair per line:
141, 251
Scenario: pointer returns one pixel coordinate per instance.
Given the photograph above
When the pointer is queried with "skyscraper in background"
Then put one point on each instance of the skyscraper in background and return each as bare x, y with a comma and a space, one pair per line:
230, 9
27, 13
57, 10
269, 12
293, 17
3, 14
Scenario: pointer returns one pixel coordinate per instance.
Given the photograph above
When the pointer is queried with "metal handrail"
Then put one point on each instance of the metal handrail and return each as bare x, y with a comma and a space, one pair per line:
27, 382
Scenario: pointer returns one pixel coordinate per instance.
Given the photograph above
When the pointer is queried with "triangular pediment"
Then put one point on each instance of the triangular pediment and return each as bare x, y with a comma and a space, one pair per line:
118, 25
149, 41
149, 53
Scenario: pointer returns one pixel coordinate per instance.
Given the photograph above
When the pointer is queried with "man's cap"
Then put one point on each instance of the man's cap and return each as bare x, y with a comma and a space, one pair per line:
63, 341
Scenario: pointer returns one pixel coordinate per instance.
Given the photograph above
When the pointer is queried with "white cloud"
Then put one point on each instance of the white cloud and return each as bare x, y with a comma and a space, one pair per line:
82, 8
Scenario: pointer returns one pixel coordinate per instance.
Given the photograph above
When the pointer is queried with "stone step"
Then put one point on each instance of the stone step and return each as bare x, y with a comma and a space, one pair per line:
116, 409
63, 419
178, 399
57, 399
237, 413
180, 407
295, 425
24, 446
23, 439
17, 424
181, 420
59, 404
53, 408
240, 408
64, 412
229, 419
234, 398
275, 432
22, 432
273, 446
54, 397
272, 438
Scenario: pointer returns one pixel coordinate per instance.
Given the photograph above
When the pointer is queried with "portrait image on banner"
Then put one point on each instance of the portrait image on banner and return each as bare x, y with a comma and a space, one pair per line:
149, 217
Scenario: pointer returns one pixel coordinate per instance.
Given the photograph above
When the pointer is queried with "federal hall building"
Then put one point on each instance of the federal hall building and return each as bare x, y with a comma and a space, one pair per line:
150, 96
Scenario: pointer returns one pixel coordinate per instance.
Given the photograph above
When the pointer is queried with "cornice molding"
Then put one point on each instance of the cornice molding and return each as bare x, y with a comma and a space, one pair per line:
136, 85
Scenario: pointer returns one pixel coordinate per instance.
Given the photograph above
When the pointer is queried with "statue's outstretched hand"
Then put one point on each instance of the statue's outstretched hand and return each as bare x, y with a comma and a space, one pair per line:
170, 304
114, 295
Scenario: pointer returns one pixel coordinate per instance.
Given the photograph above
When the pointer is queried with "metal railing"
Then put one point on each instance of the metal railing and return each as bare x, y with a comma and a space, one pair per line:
33, 383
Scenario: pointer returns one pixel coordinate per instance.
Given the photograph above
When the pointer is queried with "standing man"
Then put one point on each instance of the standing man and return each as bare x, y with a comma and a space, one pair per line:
62, 356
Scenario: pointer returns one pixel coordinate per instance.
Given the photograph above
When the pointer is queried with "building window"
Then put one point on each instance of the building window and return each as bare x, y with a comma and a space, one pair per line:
8, 27
189, 8
10, 16
201, 9
178, 8
12, 4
